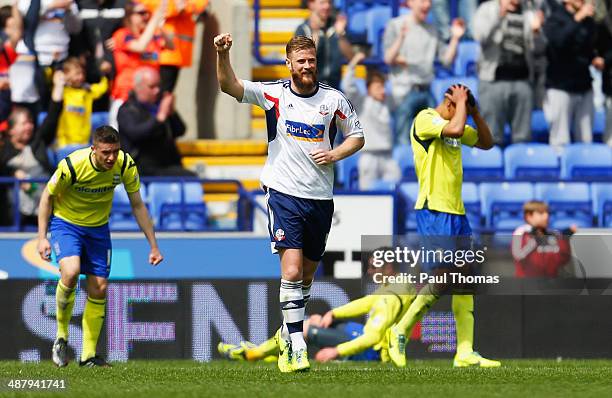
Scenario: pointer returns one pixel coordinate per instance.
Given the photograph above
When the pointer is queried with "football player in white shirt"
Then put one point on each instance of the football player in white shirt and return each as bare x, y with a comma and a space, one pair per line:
303, 117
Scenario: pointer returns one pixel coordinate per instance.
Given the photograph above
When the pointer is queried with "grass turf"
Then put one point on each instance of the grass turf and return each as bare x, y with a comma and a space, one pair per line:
431, 378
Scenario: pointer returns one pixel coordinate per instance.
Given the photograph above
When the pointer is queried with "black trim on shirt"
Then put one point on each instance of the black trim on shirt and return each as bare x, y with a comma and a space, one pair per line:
92, 163
305, 95
424, 143
73, 176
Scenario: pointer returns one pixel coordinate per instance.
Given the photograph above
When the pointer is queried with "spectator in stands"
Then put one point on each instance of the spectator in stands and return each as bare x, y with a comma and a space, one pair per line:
48, 26
411, 47
570, 31
149, 126
24, 152
137, 44
329, 35
538, 251
604, 63
376, 161
10, 33
179, 29
442, 9
507, 31
101, 18
75, 122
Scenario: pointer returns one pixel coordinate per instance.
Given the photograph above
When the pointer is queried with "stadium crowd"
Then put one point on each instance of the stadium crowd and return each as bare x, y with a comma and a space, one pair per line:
123, 58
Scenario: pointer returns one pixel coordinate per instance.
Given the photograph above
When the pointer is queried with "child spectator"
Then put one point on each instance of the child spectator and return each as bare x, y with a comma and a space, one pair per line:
74, 126
538, 251
376, 161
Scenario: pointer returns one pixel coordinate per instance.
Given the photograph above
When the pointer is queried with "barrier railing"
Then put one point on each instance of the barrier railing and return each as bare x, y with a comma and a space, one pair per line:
246, 203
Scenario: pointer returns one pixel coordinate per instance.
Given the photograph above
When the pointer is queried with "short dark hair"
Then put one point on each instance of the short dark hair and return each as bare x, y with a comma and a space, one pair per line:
18, 110
106, 134
5, 13
471, 100
373, 75
298, 43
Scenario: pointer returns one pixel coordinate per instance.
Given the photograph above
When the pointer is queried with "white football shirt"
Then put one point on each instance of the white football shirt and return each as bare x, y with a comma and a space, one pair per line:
298, 124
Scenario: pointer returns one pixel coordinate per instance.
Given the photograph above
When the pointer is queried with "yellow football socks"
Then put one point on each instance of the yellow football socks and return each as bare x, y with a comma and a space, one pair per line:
463, 309
93, 318
267, 348
64, 299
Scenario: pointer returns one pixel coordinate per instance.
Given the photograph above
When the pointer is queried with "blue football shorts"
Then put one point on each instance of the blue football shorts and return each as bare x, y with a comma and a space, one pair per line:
91, 244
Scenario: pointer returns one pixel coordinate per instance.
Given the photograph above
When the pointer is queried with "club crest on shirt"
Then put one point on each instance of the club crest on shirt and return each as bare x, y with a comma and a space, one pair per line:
324, 110
279, 235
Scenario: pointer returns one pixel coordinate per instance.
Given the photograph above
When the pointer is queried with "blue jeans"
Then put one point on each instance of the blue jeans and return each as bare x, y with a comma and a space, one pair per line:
405, 113
442, 16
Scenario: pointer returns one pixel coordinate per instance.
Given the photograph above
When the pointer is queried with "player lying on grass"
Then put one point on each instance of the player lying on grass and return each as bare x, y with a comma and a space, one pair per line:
339, 339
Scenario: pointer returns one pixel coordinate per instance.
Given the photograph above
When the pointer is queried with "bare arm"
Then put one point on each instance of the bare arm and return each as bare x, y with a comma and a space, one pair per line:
16, 31
392, 53
457, 31
140, 44
144, 222
456, 126
45, 207
228, 81
485, 139
346, 149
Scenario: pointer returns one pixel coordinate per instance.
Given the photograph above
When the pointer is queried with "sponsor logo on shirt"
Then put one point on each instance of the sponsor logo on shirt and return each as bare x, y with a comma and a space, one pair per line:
94, 190
305, 132
80, 110
452, 142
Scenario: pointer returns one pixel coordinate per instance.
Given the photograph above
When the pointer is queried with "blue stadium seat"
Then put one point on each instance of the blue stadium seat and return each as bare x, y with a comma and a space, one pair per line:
539, 126
409, 192
569, 203
404, 157
533, 161
599, 123
41, 118
502, 203
467, 56
357, 22
376, 21
168, 211
471, 201
65, 151
602, 203
479, 164
382, 185
98, 119
121, 217
440, 85
348, 172
586, 160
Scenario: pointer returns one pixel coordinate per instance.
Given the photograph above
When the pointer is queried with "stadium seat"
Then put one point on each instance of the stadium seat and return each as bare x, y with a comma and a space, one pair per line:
539, 126
602, 203
348, 172
479, 164
440, 85
376, 21
121, 217
404, 157
569, 203
599, 123
98, 119
502, 203
65, 151
357, 22
409, 192
531, 161
467, 56
586, 161
382, 185
168, 211
471, 201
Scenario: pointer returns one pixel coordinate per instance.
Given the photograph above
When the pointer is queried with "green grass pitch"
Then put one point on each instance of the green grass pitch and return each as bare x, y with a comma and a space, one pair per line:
431, 378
